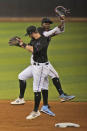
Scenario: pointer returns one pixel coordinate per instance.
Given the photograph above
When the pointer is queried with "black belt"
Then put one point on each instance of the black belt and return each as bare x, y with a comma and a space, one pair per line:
41, 63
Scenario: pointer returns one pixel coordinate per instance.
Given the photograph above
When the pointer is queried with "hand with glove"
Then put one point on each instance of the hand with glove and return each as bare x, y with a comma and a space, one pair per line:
16, 41
61, 12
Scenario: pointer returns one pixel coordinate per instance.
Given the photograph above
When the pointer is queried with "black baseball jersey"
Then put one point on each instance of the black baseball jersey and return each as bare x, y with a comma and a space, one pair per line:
40, 47
40, 56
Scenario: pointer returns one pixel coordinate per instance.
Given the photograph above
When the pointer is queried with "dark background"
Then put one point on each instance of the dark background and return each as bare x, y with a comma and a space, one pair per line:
36, 8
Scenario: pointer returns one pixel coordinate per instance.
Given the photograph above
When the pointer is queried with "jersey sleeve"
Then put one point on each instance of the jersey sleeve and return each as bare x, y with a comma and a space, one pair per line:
52, 32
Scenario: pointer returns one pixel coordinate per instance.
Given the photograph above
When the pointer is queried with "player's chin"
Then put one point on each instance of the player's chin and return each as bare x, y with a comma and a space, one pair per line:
47, 28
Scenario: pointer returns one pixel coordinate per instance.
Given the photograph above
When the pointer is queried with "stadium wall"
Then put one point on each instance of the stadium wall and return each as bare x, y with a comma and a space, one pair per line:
41, 8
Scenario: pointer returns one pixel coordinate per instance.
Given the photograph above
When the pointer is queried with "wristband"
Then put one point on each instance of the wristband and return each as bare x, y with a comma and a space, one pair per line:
23, 45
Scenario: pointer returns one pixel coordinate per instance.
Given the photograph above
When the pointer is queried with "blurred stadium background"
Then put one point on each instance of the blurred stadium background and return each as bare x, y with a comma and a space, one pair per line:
67, 52
39, 8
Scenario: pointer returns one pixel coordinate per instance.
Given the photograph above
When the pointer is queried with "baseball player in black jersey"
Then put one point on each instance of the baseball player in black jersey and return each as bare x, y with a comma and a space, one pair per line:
45, 30
40, 68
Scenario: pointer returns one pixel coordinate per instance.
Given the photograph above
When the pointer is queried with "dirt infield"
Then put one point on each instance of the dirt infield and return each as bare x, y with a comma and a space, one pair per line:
12, 118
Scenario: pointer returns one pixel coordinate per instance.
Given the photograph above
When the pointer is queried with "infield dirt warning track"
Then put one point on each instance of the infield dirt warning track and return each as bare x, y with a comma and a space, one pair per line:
12, 117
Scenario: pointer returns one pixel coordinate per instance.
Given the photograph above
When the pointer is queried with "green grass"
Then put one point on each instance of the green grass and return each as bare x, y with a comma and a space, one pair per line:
67, 53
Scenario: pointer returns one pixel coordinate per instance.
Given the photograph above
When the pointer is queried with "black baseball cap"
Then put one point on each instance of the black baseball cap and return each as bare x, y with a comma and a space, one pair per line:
30, 30
46, 20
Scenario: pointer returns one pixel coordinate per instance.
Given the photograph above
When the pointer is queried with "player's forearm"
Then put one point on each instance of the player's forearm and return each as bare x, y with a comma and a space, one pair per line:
27, 47
55, 31
62, 26
51, 32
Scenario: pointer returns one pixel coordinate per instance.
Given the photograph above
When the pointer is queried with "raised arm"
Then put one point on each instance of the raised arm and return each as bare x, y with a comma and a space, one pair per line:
57, 30
61, 27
